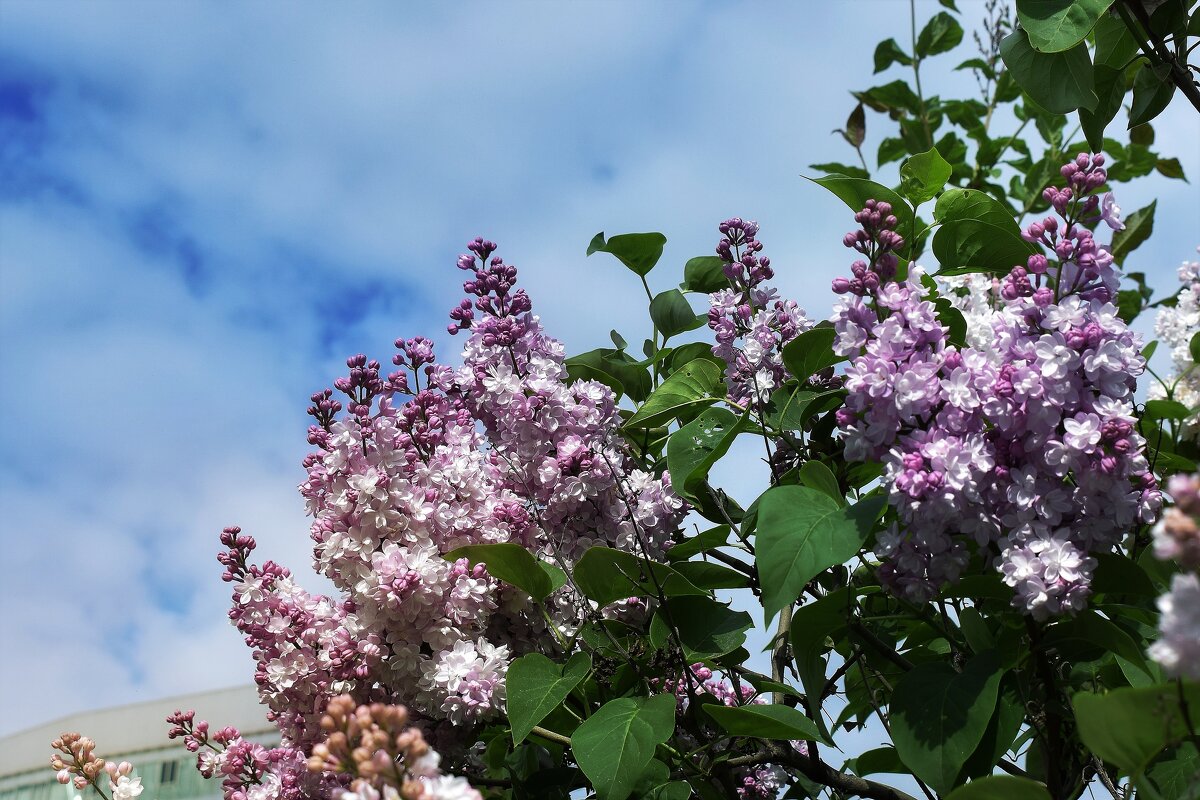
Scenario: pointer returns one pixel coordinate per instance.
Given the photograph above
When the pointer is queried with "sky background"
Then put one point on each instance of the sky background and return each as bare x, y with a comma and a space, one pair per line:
205, 207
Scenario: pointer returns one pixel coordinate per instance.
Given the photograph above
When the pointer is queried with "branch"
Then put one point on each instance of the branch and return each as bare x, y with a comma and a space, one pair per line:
565, 741
822, 773
881, 647
1159, 52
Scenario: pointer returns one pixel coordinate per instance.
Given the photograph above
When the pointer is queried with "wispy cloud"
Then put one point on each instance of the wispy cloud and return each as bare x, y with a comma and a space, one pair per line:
204, 207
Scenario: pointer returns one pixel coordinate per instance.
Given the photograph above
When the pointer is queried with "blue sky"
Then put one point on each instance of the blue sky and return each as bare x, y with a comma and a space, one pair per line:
205, 207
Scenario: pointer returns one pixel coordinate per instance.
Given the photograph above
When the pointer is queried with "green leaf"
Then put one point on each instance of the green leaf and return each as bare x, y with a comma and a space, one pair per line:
817, 475
693, 385
686, 353
672, 314
614, 369
1177, 774
707, 629
895, 98
1001, 787
764, 685
1152, 93
1130, 726
693, 449
960, 204
535, 686
1166, 409
1088, 631
511, 563
924, 175
604, 575
1115, 45
1138, 227
674, 790
1170, 168
1119, 575
810, 352
558, 578
616, 744
1058, 82
1110, 89
1056, 25
702, 542
710, 575
1142, 134
811, 624
765, 722
1194, 347
855, 192
888, 52
1129, 305
1001, 731
941, 34
939, 716
856, 127
793, 407
838, 168
638, 251
801, 533
970, 245
704, 274
873, 762
890, 149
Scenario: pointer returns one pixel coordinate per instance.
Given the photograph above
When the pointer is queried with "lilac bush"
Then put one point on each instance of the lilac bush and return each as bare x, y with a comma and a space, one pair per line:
962, 543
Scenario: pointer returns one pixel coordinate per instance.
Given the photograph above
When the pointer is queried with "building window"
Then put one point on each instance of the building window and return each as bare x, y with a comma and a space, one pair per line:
168, 772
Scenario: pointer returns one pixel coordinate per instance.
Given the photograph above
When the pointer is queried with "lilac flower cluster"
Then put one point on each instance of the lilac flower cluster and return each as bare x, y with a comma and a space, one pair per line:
1176, 326
750, 322
1024, 442
503, 449
555, 441
305, 647
1177, 537
82, 767
420, 462
250, 771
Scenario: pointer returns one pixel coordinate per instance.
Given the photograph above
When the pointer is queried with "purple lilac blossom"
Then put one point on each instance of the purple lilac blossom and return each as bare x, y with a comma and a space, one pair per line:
1022, 438
505, 448
750, 322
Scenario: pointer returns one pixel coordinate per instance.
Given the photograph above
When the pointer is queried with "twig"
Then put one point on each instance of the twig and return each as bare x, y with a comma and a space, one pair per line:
822, 773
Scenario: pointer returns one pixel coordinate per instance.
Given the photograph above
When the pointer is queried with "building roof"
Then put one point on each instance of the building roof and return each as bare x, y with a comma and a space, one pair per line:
133, 728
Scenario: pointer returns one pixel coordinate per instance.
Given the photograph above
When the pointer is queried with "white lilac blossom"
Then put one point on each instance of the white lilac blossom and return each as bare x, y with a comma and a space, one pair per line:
1178, 645
1177, 534
125, 787
750, 322
505, 448
1175, 326
1177, 538
1023, 436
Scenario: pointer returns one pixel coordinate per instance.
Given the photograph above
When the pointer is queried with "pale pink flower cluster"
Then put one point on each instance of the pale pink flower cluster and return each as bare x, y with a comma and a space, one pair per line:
425, 460
749, 320
1175, 326
306, 647
1024, 437
1177, 538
